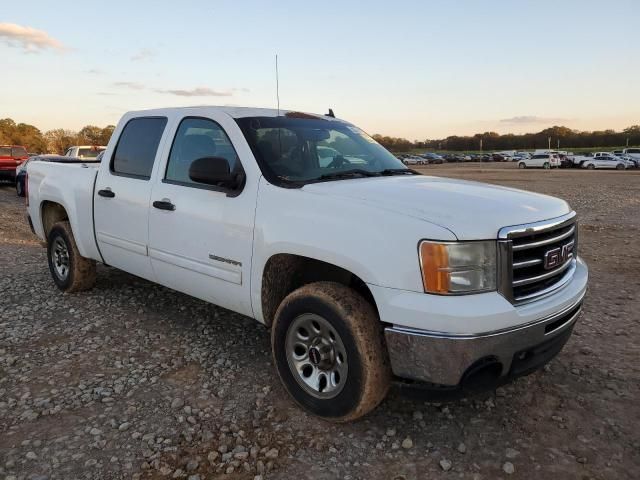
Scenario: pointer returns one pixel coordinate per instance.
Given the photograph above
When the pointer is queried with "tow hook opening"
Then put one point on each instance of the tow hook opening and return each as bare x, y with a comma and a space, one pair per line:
483, 372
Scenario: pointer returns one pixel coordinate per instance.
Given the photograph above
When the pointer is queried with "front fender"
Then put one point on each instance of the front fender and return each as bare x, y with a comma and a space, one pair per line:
379, 246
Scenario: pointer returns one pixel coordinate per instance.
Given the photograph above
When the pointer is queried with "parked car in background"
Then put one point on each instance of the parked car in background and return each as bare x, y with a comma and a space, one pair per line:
498, 157
632, 152
633, 162
603, 162
414, 160
610, 156
84, 151
21, 171
205, 201
433, 158
11, 156
541, 160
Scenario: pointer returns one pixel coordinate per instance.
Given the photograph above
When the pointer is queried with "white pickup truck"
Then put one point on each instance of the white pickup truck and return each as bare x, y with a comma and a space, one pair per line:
365, 271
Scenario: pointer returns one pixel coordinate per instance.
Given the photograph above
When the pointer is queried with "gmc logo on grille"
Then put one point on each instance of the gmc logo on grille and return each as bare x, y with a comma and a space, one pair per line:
558, 256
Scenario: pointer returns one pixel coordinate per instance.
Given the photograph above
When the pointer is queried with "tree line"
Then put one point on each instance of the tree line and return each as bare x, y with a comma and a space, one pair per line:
565, 137
57, 140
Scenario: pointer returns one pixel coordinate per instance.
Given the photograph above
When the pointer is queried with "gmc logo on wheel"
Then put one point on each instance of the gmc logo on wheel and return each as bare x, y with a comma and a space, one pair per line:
558, 256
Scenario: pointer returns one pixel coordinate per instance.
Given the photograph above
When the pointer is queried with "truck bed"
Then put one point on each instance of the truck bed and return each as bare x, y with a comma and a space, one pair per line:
71, 186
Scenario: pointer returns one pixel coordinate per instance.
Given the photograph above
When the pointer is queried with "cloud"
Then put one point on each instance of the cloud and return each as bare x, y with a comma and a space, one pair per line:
95, 71
131, 85
198, 92
29, 39
144, 54
531, 119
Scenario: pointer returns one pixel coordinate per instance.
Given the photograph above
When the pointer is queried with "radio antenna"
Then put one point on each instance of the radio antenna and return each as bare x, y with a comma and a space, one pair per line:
277, 86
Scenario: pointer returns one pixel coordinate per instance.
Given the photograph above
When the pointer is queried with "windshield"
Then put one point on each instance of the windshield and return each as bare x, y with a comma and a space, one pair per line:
298, 150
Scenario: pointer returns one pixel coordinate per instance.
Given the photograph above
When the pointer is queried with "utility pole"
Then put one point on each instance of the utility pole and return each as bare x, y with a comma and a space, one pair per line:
558, 144
481, 144
549, 143
627, 141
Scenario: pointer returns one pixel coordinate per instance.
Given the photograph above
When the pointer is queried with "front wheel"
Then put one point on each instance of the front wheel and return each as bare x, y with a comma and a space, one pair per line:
522, 165
620, 167
71, 272
329, 351
591, 166
546, 166
19, 189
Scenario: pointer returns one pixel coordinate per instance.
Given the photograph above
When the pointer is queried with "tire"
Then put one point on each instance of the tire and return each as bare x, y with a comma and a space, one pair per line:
522, 165
546, 166
619, 166
352, 343
591, 166
19, 189
62, 251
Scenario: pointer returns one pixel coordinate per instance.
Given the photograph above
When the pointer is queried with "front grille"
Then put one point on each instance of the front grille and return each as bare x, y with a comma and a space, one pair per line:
538, 258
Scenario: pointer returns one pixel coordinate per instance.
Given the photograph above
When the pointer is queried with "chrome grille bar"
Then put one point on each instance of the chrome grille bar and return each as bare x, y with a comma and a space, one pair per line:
544, 276
522, 249
546, 241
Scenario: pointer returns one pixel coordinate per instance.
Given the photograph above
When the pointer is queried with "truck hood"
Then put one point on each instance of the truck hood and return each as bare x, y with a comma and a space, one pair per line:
471, 210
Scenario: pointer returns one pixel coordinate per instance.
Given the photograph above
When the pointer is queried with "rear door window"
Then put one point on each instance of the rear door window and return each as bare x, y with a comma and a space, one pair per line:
5, 151
137, 147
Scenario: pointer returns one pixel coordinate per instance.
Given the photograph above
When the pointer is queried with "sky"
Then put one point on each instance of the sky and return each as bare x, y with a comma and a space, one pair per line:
413, 69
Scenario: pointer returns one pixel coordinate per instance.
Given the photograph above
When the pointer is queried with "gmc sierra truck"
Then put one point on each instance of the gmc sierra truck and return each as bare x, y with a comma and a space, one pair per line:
365, 271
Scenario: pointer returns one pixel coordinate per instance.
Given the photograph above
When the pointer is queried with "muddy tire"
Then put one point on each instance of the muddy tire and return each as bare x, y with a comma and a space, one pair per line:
329, 350
71, 272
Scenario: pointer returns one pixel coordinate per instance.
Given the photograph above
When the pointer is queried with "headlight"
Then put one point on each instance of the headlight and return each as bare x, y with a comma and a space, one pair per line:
459, 267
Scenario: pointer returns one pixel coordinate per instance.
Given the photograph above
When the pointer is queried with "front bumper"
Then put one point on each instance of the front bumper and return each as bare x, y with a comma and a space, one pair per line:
526, 336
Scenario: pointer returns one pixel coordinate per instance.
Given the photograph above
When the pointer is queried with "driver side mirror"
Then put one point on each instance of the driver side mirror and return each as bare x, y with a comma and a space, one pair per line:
215, 171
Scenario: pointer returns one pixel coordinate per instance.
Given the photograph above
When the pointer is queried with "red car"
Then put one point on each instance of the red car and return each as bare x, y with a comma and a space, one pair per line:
10, 157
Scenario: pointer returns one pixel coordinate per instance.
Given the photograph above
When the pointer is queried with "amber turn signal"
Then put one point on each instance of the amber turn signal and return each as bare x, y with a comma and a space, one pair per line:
434, 260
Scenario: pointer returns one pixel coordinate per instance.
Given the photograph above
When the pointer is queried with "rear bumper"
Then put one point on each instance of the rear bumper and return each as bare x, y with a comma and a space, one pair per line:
9, 173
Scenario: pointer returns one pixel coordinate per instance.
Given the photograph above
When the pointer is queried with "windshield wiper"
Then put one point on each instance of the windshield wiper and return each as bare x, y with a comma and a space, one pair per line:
398, 171
356, 172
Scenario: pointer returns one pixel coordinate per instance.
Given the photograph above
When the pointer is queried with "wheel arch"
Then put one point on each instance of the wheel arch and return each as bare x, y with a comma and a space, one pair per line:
284, 272
51, 213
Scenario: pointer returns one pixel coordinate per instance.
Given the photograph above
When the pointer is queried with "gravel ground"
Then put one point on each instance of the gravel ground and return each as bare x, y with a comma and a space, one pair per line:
132, 380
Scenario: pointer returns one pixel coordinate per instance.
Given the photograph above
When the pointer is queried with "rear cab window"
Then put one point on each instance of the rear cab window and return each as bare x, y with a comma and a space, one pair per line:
137, 146
5, 151
89, 152
18, 152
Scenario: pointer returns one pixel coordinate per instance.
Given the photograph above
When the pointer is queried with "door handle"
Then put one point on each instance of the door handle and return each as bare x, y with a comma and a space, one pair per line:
164, 205
106, 193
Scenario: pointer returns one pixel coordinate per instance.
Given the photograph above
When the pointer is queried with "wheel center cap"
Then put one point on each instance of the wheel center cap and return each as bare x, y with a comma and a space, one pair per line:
315, 356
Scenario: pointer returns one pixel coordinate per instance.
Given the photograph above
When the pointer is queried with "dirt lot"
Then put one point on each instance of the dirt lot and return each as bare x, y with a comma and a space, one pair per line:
132, 380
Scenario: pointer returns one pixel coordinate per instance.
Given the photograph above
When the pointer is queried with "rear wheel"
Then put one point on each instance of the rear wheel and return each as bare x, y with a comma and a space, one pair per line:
546, 165
522, 165
620, 167
71, 272
591, 166
329, 351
